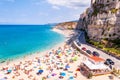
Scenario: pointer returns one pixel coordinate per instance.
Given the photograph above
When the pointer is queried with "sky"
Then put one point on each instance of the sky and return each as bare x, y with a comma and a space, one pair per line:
41, 11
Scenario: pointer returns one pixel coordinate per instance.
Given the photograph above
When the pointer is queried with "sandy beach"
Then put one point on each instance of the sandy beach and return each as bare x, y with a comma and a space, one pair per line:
59, 63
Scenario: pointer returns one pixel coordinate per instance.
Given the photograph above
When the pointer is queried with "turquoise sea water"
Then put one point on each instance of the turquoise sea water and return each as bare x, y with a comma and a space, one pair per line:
19, 40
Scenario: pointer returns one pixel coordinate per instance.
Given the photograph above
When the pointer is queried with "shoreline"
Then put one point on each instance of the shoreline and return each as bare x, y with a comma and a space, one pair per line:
27, 67
36, 53
33, 56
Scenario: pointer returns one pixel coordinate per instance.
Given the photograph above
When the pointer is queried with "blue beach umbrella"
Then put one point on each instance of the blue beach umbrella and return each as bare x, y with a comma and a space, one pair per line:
63, 74
71, 78
67, 66
9, 71
40, 71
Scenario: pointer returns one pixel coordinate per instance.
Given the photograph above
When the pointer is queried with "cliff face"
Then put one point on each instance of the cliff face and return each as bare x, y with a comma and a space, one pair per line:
101, 20
66, 25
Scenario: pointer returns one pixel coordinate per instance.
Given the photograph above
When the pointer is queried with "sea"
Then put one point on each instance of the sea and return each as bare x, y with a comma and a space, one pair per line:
20, 40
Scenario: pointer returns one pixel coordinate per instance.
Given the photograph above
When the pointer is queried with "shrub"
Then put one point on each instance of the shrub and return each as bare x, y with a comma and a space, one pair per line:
114, 10
89, 75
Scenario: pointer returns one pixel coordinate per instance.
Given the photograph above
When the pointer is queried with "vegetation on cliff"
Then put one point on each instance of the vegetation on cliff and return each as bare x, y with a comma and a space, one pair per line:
67, 25
110, 46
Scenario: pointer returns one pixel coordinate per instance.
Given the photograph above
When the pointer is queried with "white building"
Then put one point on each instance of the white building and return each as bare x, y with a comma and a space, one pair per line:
94, 65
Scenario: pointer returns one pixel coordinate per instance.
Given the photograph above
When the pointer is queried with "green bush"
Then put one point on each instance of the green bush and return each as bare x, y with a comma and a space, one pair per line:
89, 75
114, 10
96, 11
115, 49
112, 50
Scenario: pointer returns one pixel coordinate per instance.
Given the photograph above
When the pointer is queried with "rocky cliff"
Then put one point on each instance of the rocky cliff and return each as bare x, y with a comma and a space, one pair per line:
66, 25
101, 20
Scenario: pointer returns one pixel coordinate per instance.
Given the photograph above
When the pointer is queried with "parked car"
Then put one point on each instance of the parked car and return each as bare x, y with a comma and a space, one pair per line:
95, 53
83, 48
88, 51
109, 62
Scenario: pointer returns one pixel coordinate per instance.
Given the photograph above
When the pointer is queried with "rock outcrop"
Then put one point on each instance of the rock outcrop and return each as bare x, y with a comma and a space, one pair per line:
101, 20
66, 25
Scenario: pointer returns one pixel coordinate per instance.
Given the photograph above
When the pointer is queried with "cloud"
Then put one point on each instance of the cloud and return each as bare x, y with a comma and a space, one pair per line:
70, 3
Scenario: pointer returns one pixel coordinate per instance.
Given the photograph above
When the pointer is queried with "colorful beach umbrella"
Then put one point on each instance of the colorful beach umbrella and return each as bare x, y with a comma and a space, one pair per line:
63, 74
60, 54
75, 58
78, 69
54, 74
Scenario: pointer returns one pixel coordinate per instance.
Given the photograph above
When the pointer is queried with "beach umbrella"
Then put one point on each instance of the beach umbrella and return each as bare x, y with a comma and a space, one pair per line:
40, 71
54, 74
68, 51
9, 71
71, 78
67, 66
60, 54
58, 51
75, 58
78, 69
63, 74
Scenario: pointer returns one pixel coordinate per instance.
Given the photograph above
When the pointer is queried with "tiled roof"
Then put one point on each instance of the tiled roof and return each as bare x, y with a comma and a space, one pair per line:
96, 59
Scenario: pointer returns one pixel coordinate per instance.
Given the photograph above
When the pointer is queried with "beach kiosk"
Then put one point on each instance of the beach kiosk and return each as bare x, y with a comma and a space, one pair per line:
94, 66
